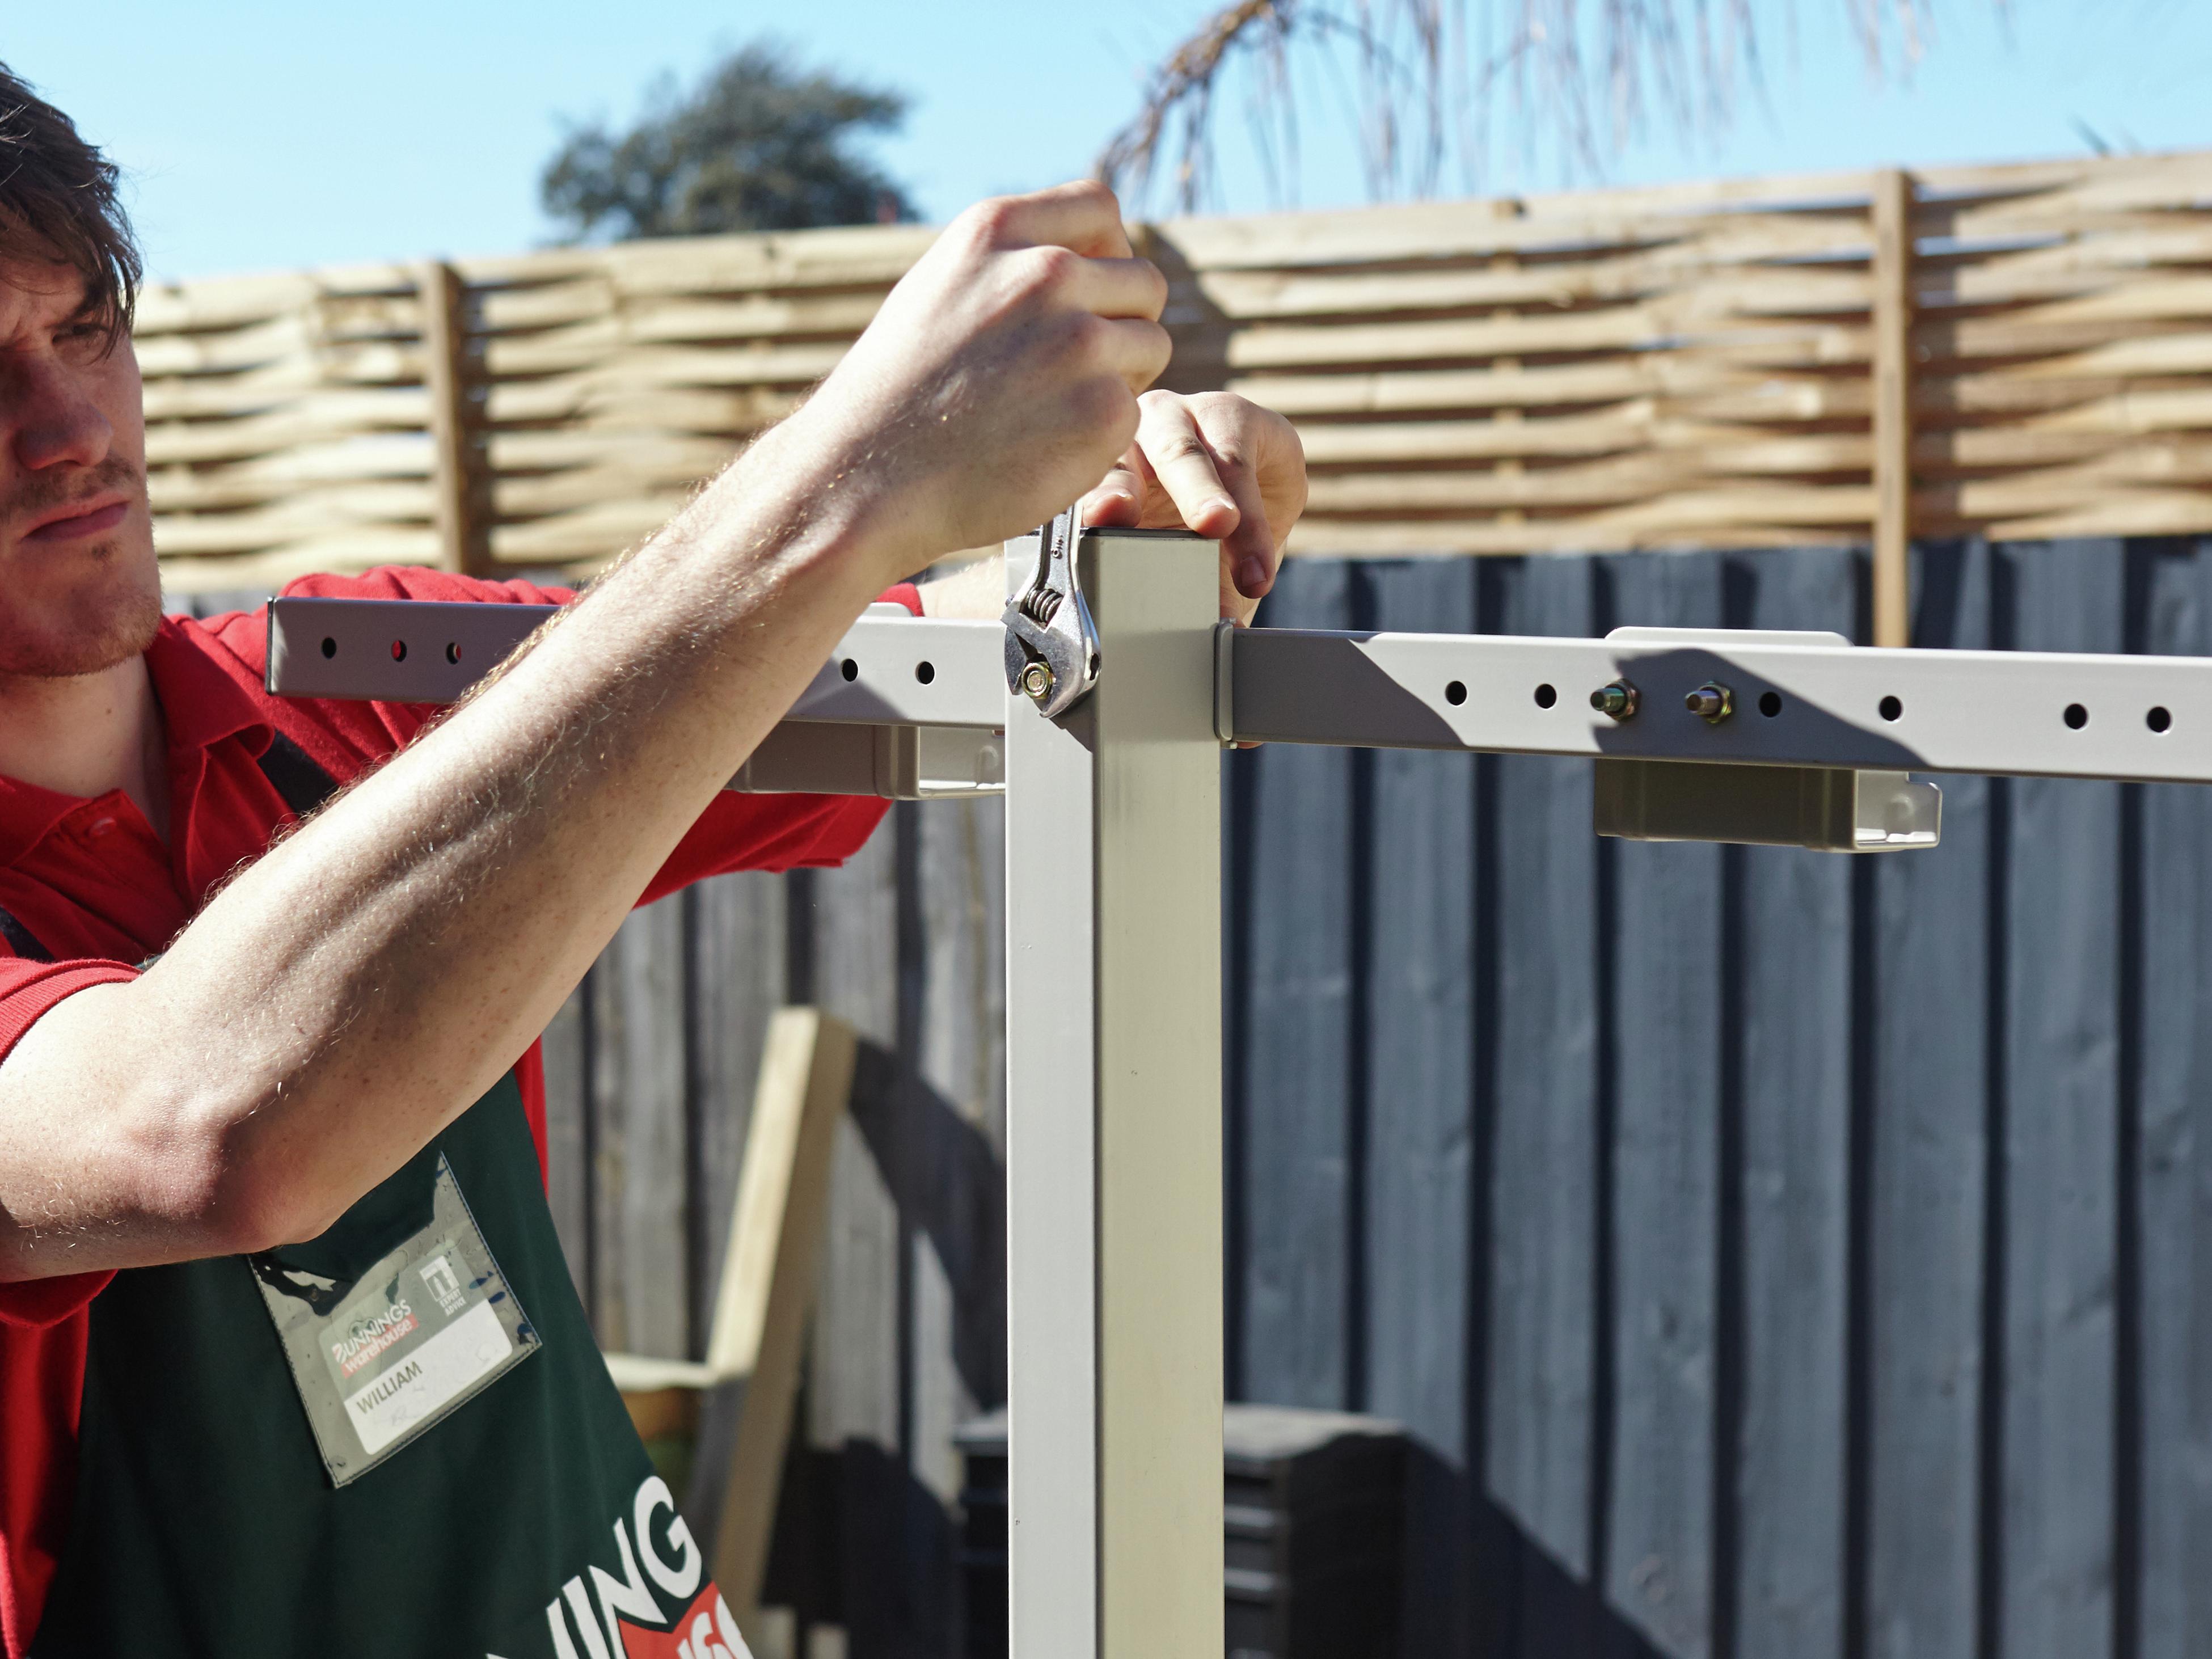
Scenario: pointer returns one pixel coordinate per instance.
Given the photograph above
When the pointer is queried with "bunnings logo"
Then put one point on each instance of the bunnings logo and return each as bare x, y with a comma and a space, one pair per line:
653, 1600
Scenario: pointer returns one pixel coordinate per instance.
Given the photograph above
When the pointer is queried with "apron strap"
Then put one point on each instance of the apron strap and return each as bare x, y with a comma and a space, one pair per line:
303, 784
21, 940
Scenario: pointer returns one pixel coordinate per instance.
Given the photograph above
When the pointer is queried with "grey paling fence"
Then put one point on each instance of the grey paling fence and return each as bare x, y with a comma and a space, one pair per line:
1773, 1254
1776, 1253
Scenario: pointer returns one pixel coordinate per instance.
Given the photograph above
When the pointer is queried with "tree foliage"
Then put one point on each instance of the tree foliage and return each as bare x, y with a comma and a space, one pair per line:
760, 143
1424, 82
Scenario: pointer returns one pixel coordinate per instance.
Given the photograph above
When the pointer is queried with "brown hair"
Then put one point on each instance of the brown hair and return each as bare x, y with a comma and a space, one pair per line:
57, 202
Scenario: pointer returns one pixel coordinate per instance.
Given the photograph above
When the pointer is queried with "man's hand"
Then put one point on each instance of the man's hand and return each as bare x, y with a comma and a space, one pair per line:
1213, 463
999, 378
1222, 466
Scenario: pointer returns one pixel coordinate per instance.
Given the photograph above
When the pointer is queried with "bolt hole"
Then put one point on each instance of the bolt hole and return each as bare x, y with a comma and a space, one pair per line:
2158, 720
330, 647
849, 668
924, 672
1769, 703
2077, 716
1892, 709
1545, 696
1455, 694
399, 651
452, 651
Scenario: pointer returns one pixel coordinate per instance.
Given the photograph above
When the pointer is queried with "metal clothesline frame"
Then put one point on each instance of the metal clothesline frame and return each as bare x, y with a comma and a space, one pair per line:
1113, 932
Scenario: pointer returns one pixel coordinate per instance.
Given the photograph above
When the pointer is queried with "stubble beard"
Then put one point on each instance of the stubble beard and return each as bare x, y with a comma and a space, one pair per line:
69, 613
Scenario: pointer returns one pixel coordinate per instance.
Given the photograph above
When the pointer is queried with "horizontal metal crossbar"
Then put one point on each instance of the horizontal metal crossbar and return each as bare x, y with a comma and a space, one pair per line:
1794, 700
1816, 702
888, 670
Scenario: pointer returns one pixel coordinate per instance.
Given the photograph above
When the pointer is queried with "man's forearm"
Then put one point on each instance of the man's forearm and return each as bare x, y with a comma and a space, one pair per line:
357, 987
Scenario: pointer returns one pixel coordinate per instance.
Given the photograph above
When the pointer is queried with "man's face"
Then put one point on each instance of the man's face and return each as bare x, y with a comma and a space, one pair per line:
79, 587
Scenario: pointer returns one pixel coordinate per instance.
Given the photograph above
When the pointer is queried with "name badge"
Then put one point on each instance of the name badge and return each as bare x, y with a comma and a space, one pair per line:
380, 1359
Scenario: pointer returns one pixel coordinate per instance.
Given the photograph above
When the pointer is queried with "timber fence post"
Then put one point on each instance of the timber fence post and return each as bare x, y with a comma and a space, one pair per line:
459, 487
1894, 198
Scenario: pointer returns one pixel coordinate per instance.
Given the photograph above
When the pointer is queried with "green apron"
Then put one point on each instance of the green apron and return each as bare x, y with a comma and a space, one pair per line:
527, 1520
267, 1467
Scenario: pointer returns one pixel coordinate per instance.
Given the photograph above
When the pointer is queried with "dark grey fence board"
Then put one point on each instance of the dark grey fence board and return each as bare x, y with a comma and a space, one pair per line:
640, 1192
2171, 1419
1424, 1303
1931, 1085
1791, 1243
1540, 1441
2060, 1142
734, 934
956, 1130
1659, 1561
570, 1124
1300, 1049
855, 1389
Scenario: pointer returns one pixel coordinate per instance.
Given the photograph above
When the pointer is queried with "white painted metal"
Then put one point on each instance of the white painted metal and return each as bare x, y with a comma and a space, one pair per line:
890, 669
1114, 1129
1955, 711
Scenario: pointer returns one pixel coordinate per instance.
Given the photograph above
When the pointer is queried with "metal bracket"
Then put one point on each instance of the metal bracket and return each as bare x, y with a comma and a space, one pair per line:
1825, 808
1052, 643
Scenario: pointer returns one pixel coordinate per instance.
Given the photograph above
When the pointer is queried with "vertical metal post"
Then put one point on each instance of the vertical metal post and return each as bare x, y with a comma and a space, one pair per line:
1114, 1133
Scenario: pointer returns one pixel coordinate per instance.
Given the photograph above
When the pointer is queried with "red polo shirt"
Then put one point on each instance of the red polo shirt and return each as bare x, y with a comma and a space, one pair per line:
91, 882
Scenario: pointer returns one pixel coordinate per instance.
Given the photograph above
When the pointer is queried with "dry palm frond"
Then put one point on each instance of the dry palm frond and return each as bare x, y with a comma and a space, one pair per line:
1584, 76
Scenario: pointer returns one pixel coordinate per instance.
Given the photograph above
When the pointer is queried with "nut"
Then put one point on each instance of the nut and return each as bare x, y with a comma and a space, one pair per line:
1616, 701
1710, 702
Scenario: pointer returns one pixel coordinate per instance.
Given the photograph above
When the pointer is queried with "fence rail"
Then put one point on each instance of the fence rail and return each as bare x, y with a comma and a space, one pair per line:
2014, 351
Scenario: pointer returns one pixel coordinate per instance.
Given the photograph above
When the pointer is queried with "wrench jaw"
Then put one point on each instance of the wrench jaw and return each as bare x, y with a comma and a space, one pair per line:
1052, 644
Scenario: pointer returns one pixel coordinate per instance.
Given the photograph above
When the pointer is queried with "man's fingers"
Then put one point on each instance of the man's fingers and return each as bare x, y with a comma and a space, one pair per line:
1248, 552
1120, 497
1083, 215
1119, 288
1180, 459
1134, 348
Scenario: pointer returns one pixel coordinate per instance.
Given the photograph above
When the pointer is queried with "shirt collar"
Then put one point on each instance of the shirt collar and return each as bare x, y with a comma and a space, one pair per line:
201, 706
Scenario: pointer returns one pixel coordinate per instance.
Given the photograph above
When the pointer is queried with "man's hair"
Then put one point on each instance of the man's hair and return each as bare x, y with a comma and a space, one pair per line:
57, 201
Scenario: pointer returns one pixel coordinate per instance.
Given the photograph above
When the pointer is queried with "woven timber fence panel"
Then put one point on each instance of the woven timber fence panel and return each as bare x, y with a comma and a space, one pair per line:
2012, 351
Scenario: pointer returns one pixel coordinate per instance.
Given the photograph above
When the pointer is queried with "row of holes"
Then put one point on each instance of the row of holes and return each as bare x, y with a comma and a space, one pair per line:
923, 671
399, 649
2158, 719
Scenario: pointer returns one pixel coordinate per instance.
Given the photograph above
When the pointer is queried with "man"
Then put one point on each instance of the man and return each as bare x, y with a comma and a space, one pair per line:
289, 1359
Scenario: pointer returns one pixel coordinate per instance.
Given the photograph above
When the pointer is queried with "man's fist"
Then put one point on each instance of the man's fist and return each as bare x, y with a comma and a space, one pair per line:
999, 379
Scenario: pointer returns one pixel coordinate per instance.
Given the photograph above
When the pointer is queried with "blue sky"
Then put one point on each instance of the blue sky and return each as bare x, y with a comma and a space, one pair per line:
267, 135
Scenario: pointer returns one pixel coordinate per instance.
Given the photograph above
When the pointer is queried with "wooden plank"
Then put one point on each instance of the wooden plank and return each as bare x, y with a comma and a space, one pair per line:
2170, 1444
640, 1088
1923, 1232
1298, 1059
2061, 1140
1793, 1240
1424, 1303
1543, 1438
1247, 295
768, 1277
1659, 1564
1892, 405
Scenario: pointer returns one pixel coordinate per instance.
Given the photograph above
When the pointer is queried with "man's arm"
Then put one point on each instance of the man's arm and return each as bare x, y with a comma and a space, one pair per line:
355, 990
